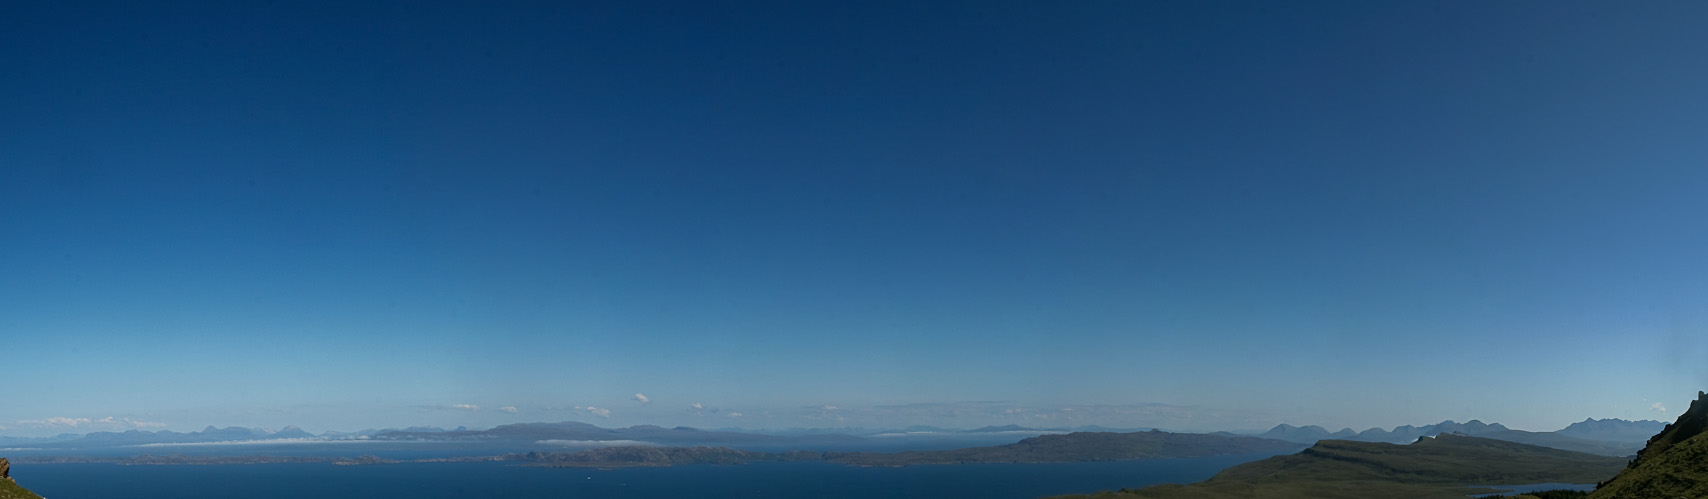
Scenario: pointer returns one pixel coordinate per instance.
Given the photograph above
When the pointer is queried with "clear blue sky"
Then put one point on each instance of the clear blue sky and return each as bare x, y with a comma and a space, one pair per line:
1194, 215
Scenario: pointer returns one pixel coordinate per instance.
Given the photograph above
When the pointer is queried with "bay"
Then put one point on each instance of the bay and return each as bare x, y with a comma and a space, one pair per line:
501, 480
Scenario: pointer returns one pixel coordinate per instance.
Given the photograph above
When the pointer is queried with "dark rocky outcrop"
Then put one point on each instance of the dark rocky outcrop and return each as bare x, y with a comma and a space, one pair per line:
5, 469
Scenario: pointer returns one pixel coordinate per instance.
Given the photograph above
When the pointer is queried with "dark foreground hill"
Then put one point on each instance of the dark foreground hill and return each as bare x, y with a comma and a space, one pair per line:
1673, 465
1432, 468
10, 489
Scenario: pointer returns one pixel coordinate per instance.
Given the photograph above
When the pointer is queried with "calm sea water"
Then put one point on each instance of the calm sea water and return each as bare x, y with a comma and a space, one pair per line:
498, 480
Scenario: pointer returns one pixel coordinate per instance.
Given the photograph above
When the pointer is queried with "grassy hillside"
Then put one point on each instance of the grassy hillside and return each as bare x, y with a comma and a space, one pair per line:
1681, 471
11, 490
1441, 468
1673, 465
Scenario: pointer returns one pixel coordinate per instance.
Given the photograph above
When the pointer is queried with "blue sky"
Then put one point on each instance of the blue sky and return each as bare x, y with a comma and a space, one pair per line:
1188, 215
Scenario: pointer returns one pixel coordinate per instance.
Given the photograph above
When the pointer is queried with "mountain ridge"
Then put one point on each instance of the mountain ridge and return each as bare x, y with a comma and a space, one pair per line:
1614, 439
1612, 429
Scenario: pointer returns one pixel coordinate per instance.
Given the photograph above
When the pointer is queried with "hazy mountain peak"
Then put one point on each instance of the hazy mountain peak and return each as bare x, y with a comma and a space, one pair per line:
290, 432
1613, 429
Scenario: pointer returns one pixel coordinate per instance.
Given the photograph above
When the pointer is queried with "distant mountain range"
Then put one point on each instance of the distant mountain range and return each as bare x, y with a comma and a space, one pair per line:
523, 432
140, 437
1063, 448
583, 432
1611, 437
1607, 437
1613, 430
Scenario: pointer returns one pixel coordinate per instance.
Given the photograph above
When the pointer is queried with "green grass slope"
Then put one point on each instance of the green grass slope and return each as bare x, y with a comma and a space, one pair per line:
11, 490
1673, 465
1438, 468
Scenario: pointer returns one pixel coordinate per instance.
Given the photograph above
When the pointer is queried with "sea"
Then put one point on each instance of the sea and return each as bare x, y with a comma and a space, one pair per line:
445, 480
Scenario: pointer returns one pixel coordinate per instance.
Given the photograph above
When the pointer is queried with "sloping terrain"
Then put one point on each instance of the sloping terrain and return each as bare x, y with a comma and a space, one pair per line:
10, 489
1673, 465
1441, 467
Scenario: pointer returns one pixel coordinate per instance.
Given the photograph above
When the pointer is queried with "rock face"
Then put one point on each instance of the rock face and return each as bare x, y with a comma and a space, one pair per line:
5, 469
1673, 465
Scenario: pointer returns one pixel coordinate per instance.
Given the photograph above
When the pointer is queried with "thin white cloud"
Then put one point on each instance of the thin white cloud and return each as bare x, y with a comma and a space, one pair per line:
604, 413
642, 399
697, 409
828, 407
509, 408
735, 414
452, 407
56, 422
106, 423
1657, 407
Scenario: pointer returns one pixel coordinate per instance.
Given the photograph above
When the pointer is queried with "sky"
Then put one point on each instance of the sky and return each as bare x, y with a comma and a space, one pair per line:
1188, 215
